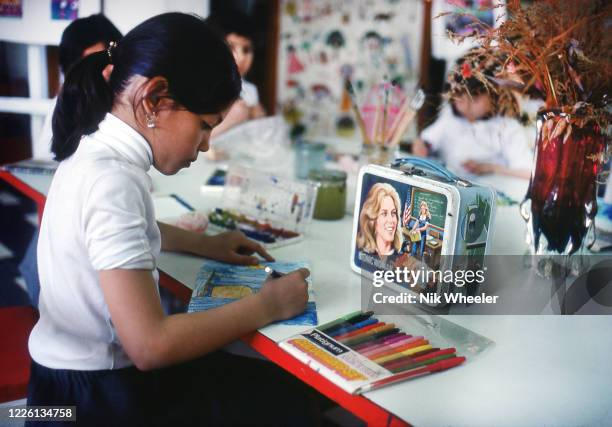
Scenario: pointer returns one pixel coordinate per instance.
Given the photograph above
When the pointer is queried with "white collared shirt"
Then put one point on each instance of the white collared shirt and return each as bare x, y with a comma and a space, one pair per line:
98, 216
499, 140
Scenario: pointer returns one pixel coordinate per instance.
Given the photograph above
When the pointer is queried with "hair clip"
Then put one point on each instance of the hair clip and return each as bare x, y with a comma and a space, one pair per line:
109, 50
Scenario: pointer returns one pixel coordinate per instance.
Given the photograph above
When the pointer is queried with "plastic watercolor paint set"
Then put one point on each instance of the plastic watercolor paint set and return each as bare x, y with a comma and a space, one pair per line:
359, 353
273, 210
435, 221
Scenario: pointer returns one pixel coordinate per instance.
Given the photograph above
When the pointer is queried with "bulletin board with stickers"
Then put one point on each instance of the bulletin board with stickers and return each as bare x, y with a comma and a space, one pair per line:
324, 42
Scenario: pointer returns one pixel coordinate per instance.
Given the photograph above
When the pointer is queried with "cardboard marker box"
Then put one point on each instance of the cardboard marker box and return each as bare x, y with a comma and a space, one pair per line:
418, 216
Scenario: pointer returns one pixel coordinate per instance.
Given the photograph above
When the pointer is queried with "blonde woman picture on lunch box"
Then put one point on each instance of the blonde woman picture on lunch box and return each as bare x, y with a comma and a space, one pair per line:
378, 222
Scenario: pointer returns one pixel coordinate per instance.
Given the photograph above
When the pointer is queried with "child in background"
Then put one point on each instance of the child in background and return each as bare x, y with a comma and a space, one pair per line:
81, 37
102, 342
478, 133
239, 34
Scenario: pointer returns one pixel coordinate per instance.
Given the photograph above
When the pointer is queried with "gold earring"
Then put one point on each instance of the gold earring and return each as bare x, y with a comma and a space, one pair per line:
150, 120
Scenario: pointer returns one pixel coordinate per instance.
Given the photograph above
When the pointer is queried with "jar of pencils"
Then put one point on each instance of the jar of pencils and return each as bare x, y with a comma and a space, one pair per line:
383, 119
331, 194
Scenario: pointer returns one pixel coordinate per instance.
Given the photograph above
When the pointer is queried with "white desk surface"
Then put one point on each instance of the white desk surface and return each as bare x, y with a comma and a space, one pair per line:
542, 370
40, 183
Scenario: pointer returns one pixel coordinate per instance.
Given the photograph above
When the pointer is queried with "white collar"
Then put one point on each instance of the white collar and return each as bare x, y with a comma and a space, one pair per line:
126, 141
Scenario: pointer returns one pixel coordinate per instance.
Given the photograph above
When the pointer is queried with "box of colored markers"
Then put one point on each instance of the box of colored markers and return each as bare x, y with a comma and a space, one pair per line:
273, 210
359, 353
415, 215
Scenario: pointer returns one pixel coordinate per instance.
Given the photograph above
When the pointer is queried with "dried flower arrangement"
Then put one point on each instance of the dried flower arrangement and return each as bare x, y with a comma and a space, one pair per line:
560, 51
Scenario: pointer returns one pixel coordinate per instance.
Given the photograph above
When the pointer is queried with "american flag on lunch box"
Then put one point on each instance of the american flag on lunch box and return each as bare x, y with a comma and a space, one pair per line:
406, 214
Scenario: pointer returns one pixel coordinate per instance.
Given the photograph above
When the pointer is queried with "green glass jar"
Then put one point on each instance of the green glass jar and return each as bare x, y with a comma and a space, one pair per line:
331, 196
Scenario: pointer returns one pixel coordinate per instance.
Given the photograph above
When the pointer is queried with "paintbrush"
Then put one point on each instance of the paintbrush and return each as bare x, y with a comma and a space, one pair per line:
385, 108
404, 120
362, 128
376, 124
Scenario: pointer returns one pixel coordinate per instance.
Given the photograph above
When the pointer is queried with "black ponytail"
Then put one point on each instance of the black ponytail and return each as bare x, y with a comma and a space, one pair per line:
198, 65
83, 102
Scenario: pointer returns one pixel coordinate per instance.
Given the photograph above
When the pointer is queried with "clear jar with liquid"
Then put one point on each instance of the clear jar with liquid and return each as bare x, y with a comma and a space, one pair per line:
331, 194
308, 156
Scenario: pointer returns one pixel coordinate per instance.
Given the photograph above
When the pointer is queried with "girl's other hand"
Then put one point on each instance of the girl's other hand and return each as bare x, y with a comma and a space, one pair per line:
235, 248
286, 296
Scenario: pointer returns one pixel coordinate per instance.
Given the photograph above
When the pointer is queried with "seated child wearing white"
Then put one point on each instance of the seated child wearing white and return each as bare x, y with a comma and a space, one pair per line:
473, 136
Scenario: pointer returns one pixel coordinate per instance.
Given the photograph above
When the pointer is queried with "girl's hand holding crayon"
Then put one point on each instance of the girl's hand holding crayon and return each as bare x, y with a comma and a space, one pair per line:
232, 247
286, 296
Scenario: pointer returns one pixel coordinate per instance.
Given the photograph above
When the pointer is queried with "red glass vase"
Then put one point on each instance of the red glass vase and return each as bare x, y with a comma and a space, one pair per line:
563, 184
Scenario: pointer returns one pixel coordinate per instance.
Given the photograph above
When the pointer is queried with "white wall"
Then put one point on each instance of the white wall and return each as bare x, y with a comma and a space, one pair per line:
127, 14
37, 27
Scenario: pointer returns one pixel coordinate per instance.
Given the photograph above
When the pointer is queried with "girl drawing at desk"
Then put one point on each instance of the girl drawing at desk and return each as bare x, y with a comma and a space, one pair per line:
378, 222
420, 226
103, 342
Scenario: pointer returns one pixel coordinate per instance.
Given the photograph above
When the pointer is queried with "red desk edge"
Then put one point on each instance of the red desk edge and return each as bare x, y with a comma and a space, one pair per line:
26, 190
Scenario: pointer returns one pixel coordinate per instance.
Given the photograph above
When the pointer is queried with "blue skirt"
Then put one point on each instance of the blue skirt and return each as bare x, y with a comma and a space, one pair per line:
217, 389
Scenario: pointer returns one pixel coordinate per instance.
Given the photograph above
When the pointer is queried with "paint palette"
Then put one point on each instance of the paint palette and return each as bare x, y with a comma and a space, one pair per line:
270, 209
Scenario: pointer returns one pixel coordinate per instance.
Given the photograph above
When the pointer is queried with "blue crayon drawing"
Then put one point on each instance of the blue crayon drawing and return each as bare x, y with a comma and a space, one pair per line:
219, 283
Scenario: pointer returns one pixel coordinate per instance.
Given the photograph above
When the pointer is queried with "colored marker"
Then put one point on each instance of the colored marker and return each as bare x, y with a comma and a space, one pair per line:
435, 367
424, 355
381, 340
272, 272
393, 350
424, 352
379, 327
338, 321
356, 332
423, 363
389, 339
354, 327
408, 352
423, 360
348, 320
393, 343
366, 338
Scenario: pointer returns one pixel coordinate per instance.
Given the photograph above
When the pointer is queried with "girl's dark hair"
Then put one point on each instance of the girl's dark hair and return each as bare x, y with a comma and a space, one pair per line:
199, 67
83, 33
